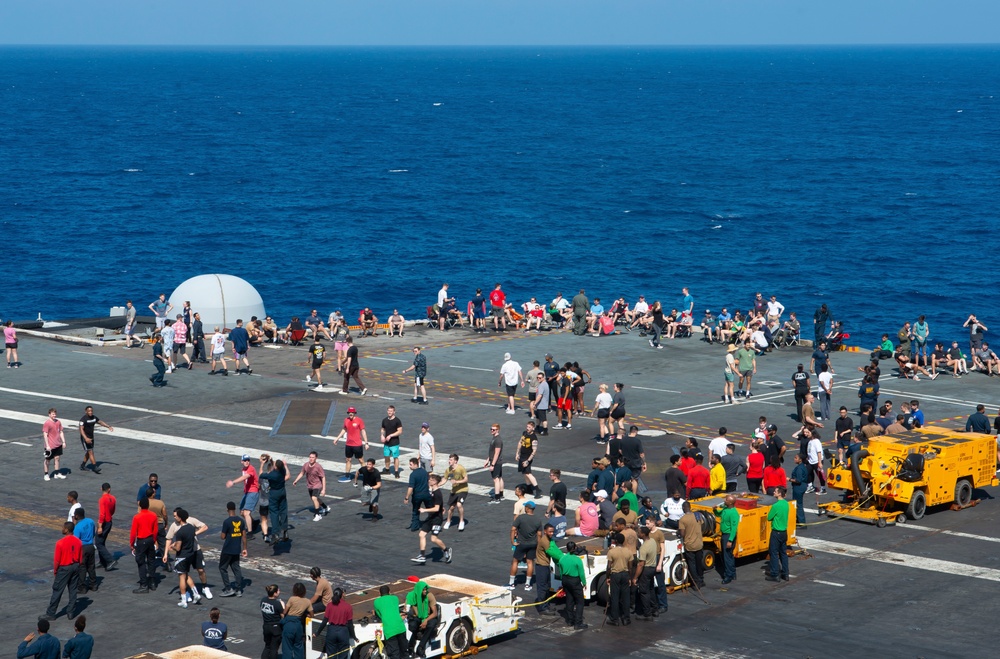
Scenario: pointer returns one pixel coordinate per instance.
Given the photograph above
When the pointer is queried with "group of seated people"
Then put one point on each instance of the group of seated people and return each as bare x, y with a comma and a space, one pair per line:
913, 363
335, 329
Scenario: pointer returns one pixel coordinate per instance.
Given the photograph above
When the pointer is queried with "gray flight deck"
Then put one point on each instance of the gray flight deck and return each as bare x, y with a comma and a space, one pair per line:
920, 590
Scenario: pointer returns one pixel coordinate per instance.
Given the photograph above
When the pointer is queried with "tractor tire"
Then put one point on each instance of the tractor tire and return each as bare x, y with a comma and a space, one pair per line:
917, 506
708, 559
370, 651
601, 594
963, 493
459, 638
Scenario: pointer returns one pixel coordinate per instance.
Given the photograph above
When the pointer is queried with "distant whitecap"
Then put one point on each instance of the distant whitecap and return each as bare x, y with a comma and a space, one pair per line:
717, 226
394, 171
959, 110
131, 169
436, 104
626, 211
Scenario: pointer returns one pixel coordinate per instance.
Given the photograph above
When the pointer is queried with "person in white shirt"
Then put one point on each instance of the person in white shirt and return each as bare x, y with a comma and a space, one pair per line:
425, 445
672, 510
510, 375
442, 295
759, 340
718, 445
825, 392
639, 309
814, 456
774, 310
219, 352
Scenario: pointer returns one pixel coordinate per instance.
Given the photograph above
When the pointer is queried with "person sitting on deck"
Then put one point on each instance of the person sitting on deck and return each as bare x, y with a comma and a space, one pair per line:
396, 322
368, 321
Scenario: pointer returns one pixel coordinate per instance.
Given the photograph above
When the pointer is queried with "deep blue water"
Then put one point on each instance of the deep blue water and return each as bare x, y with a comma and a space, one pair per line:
338, 178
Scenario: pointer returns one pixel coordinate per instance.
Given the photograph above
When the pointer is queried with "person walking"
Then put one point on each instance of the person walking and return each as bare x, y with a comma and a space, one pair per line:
352, 368
602, 410
431, 526
527, 449
729, 373
524, 542
729, 523
279, 501
494, 463
234, 547
66, 570
197, 337
457, 475
317, 351
85, 529
825, 378
106, 511
371, 480
54, 441
160, 363
356, 441
418, 492
87, 423
316, 484
617, 412
510, 376
181, 341
778, 541
392, 430
425, 448
419, 368
219, 352
240, 339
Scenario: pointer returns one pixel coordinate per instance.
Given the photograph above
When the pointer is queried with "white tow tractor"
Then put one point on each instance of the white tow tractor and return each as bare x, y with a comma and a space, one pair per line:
595, 566
471, 612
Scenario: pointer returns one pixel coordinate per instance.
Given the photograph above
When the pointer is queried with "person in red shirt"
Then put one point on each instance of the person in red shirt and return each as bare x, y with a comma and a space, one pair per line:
339, 615
699, 479
755, 467
65, 567
106, 505
251, 491
498, 303
142, 539
774, 476
357, 440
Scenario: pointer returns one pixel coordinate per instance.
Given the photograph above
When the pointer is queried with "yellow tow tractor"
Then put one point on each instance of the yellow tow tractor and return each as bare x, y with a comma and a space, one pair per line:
753, 534
898, 476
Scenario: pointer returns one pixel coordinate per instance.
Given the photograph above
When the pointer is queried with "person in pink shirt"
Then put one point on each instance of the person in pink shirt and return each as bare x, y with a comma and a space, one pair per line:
10, 340
587, 517
54, 441
180, 341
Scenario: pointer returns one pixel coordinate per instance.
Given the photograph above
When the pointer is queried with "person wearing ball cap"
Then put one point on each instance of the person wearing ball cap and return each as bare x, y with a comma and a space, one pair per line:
357, 440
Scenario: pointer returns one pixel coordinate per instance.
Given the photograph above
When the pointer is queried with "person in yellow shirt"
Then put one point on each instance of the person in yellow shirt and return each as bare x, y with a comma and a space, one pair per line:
717, 476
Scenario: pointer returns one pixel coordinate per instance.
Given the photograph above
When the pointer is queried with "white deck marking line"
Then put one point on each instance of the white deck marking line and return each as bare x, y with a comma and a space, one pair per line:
931, 397
91, 354
665, 391
950, 568
764, 398
931, 529
472, 368
828, 583
132, 408
389, 359
682, 651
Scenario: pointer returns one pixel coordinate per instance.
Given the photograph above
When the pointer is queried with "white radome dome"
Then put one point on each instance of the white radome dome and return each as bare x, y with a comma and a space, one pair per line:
220, 299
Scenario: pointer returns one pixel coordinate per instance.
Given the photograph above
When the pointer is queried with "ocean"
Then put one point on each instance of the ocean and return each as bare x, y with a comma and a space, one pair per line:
863, 177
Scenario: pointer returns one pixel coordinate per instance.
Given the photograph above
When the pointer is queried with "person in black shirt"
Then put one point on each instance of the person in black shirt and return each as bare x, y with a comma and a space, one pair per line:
234, 545
432, 525
351, 368
675, 478
271, 609
392, 429
317, 351
184, 547
774, 446
558, 490
527, 448
159, 362
800, 381
634, 457
372, 482
844, 429
87, 423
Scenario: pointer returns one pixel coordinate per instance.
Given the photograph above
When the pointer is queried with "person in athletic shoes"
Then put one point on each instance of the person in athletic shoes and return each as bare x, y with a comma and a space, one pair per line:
219, 352
234, 547
167, 337
524, 543
564, 403
351, 369
425, 447
634, 457
459, 479
129, 330
317, 351
540, 404
316, 484
417, 493
371, 480
180, 341
356, 440
197, 558
251, 491
431, 526
494, 463
54, 441
240, 339
87, 423
527, 449
392, 430
510, 375
419, 368
278, 498
183, 545
557, 492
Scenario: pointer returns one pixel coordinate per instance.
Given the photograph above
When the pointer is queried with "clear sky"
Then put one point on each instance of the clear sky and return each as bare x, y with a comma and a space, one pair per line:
497, 22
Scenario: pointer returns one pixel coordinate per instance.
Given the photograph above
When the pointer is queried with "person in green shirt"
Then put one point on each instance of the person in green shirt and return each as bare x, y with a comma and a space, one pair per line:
386, 607
423, 616
778, 517
729, 523
746, 362
572, 575
629, 496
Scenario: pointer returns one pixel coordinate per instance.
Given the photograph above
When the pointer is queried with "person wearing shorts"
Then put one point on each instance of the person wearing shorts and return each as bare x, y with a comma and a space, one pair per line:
617, 412
219, 352
540, 405
524, 540
251, 490
87, 423
494, 462
180, 341
315, 484
419, 368
498, 304
54, 441
392, 429
564, 403
371, 480
129, 330
356, 440
527, 448
459, 479
431, 526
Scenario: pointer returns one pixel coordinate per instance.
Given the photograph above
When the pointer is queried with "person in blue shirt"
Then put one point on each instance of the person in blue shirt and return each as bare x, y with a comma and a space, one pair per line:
918, 414
241, 346
215, 632
153, 482
85, 529
45, 646
687, 303
80, 646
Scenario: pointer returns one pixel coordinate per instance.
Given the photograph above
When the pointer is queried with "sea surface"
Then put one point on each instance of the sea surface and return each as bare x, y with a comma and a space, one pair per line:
866, 178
